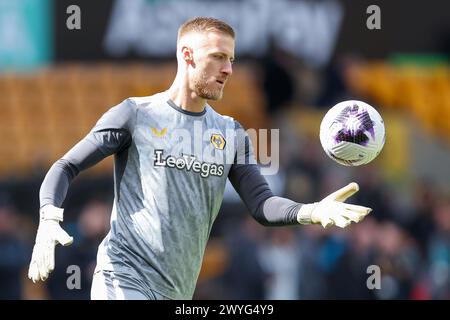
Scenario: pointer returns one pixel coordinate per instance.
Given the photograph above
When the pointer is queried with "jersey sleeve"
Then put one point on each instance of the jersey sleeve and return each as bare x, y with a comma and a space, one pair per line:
111, 134
252, 187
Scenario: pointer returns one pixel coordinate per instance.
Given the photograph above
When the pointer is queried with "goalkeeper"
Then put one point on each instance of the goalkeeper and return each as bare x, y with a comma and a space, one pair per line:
167, 199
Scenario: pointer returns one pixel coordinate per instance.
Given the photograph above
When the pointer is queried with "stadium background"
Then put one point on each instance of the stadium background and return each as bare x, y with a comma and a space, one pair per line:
295, 59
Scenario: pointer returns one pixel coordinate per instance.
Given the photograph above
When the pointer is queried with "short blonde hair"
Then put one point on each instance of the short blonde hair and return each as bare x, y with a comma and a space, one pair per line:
202, 24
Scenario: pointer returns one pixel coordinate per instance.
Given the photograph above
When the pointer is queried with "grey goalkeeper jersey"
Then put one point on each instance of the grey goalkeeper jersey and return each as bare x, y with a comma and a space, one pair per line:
170, 171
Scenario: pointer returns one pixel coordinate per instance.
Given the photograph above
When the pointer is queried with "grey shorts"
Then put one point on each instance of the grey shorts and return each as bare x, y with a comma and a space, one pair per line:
107, 285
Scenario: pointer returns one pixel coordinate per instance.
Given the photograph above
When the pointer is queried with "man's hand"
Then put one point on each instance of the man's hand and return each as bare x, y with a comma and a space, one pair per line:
332, 210
49, 234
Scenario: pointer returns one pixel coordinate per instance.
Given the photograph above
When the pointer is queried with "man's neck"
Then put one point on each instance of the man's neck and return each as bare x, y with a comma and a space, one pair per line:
186, 99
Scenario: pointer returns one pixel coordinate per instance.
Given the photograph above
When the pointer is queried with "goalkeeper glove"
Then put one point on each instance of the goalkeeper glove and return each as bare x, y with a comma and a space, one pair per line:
49, 234
332, 210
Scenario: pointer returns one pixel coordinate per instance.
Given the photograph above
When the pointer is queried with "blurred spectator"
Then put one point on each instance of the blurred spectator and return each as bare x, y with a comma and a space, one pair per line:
278, 83
373, 193
312, 280
398, 258
439, 252
421, 225
14, 257
281, 261
245, 277
348, 278
334, 88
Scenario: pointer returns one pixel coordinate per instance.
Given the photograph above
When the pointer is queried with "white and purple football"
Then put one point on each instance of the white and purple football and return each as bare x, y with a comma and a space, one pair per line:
352, 133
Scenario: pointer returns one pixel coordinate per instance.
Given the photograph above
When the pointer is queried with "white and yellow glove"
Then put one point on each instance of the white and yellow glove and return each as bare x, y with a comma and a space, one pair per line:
332, 210
49, 234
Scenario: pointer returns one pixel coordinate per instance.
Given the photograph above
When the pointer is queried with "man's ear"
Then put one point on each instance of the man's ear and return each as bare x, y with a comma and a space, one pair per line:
187, 54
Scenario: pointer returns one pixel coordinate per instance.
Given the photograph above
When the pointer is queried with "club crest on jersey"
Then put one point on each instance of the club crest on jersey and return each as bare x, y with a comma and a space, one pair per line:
218, 141
159, 133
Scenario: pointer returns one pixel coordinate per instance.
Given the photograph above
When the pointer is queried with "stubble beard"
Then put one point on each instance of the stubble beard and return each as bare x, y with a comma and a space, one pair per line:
202, 90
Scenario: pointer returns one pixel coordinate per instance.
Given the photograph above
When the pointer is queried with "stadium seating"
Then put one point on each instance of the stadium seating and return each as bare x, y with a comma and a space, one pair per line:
420, 91
44, 113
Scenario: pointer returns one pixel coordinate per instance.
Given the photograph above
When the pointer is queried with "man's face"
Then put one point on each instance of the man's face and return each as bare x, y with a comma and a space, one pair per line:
212, 64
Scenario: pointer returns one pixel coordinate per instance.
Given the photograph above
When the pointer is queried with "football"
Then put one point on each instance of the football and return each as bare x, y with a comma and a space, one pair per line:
352, 133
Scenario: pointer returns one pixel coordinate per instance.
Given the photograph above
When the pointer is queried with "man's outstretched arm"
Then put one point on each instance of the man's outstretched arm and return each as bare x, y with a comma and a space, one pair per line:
110, 135
271, 210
